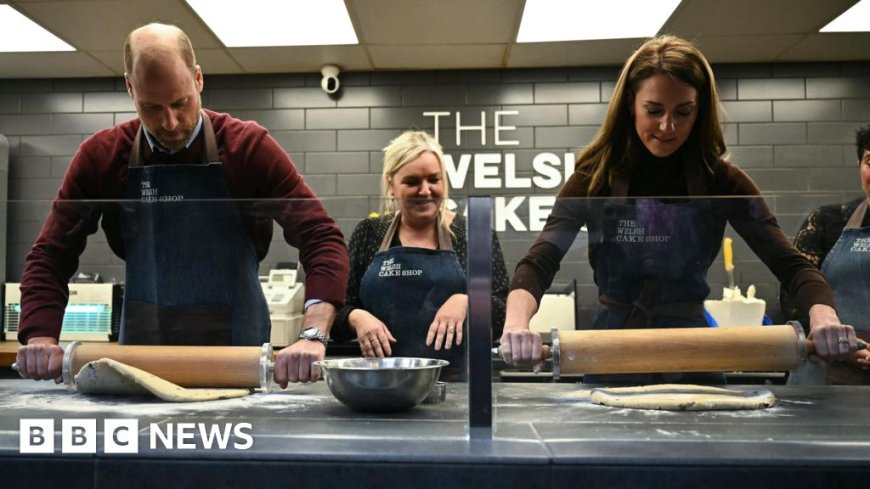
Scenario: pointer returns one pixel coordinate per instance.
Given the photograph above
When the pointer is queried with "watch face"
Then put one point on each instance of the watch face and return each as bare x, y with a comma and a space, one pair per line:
312, 334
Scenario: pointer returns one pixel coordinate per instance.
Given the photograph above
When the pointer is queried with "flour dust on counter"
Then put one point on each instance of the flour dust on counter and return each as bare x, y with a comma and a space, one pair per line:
73, 403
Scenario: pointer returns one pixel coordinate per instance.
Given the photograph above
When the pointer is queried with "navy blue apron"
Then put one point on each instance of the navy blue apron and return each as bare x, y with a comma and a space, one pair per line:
191, 266
405, 286
847, 269
652, 269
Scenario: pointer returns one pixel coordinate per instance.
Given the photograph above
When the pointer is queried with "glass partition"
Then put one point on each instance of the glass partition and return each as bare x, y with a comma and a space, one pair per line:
604, 256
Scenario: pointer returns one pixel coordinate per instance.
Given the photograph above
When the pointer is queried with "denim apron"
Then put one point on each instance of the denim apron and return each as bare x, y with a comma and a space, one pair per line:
405, 286
191, 266
652, 269
847, 269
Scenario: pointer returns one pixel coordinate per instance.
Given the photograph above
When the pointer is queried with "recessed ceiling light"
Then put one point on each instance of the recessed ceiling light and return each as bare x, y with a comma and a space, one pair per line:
277, 22
573, 20
856, 19
18, 34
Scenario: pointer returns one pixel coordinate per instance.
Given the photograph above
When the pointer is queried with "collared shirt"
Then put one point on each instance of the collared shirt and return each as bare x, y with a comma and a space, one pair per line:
156, 146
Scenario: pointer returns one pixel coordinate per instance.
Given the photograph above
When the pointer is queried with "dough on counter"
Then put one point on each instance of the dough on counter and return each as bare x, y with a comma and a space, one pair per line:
682, 397
109, 377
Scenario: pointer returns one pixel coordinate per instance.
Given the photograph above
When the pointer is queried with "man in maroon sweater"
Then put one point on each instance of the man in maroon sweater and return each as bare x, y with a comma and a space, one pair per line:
187, 197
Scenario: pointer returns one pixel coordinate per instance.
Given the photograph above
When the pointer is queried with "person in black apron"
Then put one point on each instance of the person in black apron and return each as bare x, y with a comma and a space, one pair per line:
413, 293
836, 238
192, 266
192, 271
407, 295
405, 287
651, 243
847, 268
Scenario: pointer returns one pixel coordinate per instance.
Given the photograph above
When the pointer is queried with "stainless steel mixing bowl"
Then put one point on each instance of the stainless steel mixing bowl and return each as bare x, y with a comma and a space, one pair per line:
381, 385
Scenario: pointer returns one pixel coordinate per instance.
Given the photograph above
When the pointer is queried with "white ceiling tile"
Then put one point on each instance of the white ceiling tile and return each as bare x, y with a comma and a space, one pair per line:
437, 22
846, 46
50, 65
745, 49
395, 57
752, 17
104, 24
572, 53
300, 58
436, 34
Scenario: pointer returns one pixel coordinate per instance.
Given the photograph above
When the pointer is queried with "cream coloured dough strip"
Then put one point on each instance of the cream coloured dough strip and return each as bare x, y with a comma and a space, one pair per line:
678, 397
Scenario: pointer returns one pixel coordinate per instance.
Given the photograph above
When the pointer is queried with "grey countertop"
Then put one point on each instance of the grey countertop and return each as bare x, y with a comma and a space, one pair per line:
535, 425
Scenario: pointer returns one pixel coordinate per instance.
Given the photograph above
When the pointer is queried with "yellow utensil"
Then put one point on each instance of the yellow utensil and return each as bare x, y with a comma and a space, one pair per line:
728, 252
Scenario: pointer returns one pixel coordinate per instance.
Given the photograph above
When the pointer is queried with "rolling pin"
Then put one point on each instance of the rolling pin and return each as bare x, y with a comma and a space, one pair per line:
746, 349
187, 366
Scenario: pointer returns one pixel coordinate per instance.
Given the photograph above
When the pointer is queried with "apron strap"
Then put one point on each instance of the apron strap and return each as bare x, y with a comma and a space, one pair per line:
857, 217
211, 154
444, 242
211, 149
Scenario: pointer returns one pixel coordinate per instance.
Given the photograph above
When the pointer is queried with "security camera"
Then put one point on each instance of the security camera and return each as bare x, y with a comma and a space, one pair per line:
329, 83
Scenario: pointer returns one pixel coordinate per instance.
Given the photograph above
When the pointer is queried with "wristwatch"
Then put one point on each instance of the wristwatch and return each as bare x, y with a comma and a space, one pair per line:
313, 334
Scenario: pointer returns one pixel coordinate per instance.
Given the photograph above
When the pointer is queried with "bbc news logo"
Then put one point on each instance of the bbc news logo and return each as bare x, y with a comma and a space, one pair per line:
122, 436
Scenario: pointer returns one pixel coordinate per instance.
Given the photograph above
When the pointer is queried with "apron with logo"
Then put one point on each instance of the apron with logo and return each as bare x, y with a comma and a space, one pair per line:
191, 267
652, 269
847, 269
405, 286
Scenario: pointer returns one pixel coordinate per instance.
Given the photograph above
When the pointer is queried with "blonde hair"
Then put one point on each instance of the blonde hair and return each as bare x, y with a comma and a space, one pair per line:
403, 150
616, 146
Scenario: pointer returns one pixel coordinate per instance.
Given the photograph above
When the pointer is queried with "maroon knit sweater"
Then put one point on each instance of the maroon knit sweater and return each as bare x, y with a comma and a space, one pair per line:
256, 167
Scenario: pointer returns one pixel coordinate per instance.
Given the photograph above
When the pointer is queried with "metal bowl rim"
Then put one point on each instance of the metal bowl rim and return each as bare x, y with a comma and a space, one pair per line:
329, 364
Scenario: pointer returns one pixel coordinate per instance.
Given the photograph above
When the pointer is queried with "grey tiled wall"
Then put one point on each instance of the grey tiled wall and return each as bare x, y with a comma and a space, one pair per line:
789, 126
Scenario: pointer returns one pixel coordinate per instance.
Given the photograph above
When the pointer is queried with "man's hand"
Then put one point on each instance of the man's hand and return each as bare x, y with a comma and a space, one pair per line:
294, 363
40, 359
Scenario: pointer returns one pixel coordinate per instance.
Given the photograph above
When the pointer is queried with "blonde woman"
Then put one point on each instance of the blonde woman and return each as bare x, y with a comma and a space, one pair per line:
407, 287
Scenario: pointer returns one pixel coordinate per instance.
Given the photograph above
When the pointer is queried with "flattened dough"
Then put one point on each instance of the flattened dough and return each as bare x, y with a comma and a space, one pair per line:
108, 377
682, 397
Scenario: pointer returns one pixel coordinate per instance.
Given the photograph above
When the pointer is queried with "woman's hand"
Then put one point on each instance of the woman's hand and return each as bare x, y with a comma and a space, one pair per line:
446, 328
862, 358
373, 335
833, 341
519, 346
522, 347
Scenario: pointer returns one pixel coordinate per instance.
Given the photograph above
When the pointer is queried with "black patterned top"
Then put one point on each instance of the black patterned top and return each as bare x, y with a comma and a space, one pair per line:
817, 235
366, 240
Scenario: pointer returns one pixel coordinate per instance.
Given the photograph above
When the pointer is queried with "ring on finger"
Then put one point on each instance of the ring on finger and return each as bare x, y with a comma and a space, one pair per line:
843, 341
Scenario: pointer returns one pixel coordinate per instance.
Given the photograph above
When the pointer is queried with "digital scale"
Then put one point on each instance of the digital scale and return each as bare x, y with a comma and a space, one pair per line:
285, 298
